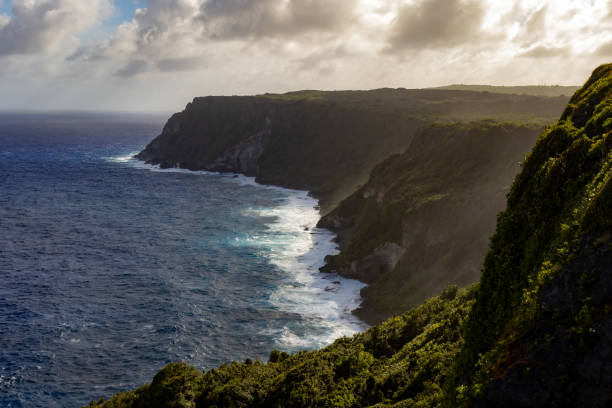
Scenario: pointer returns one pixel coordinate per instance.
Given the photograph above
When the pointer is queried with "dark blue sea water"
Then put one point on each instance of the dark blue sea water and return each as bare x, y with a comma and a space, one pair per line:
110, 269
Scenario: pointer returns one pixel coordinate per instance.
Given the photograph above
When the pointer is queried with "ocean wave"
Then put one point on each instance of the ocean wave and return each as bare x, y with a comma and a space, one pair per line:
294, 245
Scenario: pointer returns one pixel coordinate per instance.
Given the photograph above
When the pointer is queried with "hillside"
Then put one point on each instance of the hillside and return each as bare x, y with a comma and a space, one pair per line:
323, 142
540, 331
535, 332
535, 90
424, 218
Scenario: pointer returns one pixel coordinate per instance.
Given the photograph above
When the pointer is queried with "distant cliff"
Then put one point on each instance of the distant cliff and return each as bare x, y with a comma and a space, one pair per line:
424, 218
323, 142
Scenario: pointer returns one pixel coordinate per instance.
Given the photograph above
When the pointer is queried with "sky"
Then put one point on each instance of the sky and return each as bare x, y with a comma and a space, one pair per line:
156, 55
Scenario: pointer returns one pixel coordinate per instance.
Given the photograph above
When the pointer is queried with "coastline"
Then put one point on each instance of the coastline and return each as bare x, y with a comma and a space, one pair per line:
326, 299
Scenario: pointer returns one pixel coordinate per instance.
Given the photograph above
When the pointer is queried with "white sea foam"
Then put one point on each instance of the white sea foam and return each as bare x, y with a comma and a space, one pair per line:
298, 248
325, 301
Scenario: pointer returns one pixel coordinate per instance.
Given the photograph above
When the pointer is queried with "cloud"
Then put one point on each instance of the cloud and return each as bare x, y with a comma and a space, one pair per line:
163, 25
181, 64
163, 37
604, 50
534, 28
537, 21
436, 24
41, 25
178, 35
258, 46
231, 19
322, 59
139, 66
133, 68
541, 51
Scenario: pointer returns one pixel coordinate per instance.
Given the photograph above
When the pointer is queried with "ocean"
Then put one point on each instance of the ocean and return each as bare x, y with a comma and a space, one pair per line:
110, 268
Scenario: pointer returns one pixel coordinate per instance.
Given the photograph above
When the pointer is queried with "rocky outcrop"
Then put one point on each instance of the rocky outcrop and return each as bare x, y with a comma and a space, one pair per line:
372, 266
244, 156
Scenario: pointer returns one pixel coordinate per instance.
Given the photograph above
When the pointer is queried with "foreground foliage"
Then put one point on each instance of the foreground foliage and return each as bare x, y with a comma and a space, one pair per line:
399, 363
540, 331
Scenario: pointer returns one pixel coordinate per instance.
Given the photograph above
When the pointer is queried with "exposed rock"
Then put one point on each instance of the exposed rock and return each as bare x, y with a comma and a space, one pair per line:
244, 156
373, 265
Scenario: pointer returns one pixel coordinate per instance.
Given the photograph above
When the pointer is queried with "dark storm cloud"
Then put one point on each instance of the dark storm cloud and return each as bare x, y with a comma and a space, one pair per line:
234, 19
436, 24
545, 52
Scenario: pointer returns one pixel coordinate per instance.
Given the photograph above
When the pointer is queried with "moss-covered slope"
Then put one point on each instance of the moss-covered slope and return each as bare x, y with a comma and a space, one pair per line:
424, 218
540, 332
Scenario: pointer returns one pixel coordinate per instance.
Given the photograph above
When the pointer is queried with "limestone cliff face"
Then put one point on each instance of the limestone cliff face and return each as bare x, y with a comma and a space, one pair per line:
373, 265
244, 156
320, 147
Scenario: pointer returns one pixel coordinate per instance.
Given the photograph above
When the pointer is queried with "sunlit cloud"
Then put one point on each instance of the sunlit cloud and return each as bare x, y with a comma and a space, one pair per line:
169, 51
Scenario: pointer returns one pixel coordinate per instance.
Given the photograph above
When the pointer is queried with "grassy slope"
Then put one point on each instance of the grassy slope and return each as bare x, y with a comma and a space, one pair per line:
438, 200
536, 332
536, 90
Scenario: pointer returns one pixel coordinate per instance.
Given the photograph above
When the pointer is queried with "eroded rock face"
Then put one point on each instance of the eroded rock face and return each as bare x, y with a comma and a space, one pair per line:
243, 157
376, 263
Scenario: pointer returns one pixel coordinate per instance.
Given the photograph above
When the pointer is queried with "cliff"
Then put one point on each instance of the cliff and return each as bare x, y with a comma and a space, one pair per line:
424, 218
323, 142
540, 331
536, 331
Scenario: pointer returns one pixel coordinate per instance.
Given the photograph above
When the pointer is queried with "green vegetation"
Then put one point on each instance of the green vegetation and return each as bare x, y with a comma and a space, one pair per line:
536, 90
536, 331
399, 363
464, 103
545, 290
437, 202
